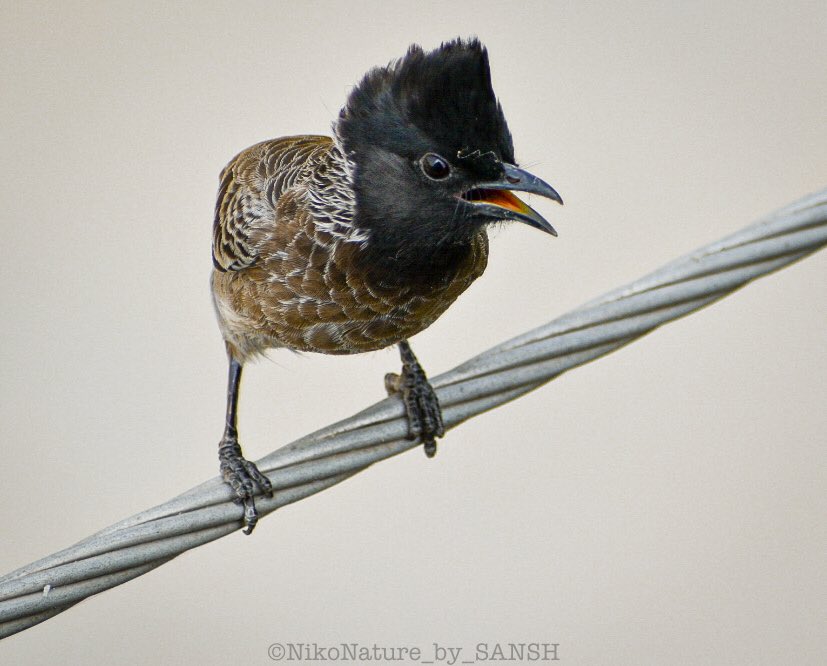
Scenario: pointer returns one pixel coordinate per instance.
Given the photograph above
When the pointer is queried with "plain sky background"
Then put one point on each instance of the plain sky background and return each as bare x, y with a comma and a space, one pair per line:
664, 505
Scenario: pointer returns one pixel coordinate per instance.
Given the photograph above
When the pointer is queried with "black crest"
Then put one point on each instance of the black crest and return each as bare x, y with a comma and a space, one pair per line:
441, 98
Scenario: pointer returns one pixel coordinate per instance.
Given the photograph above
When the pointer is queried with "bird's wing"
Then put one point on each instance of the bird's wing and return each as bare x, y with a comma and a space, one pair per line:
250, 186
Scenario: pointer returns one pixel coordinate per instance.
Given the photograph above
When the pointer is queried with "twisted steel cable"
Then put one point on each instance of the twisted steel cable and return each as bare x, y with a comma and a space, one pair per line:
207, 512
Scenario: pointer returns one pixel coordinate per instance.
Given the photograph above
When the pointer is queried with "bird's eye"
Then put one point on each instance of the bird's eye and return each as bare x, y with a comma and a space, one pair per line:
435, 167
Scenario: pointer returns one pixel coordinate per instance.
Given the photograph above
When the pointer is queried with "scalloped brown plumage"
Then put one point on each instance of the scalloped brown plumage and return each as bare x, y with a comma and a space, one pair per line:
287, 274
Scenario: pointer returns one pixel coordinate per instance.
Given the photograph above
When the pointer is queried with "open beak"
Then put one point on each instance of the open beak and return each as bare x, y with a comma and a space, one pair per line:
495, 199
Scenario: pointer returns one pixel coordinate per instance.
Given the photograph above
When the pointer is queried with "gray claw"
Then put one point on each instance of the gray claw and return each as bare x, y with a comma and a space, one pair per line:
421, 403
243, 477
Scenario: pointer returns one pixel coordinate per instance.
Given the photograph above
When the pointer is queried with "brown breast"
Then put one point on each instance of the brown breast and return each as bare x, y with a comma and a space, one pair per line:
309, 293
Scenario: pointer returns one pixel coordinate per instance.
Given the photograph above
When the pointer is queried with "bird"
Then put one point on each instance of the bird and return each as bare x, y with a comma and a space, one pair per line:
355, 242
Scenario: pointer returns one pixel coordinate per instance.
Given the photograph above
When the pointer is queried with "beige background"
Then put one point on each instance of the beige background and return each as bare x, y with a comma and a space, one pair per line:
665, 505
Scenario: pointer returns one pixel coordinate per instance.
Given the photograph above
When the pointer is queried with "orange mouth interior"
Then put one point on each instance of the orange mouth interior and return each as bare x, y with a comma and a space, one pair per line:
501, 198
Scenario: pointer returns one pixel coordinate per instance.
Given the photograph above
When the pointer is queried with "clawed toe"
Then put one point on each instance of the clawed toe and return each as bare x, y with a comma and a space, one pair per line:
243, 477
421, 403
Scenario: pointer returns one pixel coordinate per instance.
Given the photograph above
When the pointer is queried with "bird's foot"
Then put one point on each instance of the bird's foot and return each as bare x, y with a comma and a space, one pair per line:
242, 476
421, 404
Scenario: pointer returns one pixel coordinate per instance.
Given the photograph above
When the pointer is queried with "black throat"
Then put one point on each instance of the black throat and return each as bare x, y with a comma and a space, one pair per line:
420, 266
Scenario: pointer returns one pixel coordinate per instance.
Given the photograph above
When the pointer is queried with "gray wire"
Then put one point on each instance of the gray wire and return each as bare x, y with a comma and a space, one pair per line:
147, 540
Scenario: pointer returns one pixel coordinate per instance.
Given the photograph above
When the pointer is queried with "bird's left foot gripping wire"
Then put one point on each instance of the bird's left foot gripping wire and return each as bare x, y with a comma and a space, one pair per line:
421, 404
239, 473
243, 476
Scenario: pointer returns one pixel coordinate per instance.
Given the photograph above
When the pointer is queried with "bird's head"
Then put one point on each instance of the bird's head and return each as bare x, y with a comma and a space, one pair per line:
432, 154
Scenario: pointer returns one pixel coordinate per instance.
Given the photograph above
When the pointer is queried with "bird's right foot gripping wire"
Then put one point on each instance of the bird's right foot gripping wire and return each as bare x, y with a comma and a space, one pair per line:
421, 403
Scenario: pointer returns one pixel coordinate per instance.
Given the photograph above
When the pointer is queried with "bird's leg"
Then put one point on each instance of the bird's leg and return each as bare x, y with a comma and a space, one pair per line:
421, 403
241, 474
